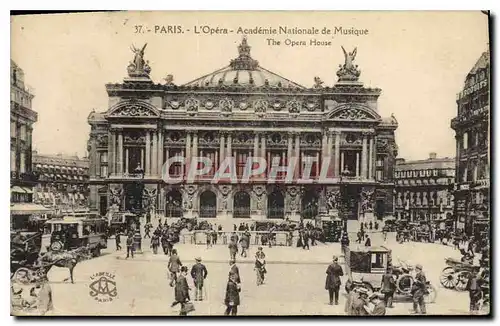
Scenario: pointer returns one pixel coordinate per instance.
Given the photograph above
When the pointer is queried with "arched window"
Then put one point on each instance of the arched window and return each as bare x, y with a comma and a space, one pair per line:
173, 207
276, 205
208, 204
241, 205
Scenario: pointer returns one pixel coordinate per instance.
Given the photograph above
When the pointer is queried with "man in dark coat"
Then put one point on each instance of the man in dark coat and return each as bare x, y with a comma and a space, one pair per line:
332, 284
118, 240
418, 290
388, 287
232, 299
199, 274
174, 265
474, 288
377, 304
233, 249
181, 291
368, 242
130, 245
234, 271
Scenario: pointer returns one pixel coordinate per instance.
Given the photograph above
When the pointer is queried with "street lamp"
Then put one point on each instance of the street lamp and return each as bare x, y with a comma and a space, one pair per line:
139, 210
344, 240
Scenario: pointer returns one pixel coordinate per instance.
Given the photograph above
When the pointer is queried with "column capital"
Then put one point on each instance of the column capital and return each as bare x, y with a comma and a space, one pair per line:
368, 133
114, 129
335, 132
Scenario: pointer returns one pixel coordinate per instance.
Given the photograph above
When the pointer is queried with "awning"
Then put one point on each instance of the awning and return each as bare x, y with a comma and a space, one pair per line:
80, 169
38, 165
75, 169
28, 190
45, 166
51, 166
75, 177
17, 189
82, 197
59, 176
28, 208
81, 178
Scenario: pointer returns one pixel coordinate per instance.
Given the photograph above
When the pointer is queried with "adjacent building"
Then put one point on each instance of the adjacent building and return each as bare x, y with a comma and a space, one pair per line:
424, 189
62, 181
22, 178
243, 110
472, 128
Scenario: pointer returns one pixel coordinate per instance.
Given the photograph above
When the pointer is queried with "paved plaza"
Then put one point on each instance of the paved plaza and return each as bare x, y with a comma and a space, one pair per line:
294, 283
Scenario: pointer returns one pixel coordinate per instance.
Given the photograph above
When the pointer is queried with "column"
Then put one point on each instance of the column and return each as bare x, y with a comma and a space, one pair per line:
342, 161
160, 150
194, 152
370, 159
357, 165
222, 146
256, 145
185, 167
143, 166
154, 156
364, 155
229, 142
290, 145
111, 155
297, 155
147, 168
324, 144
317, 164
126, 160
119, 160
337, 155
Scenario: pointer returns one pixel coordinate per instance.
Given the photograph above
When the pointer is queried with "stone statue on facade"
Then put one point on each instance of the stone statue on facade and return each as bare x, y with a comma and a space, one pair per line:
332, 199
318, 83
116, 196
349, 71
367, 198
138, 67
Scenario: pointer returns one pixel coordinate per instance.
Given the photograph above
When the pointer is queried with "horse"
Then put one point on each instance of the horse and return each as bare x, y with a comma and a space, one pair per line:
67, 259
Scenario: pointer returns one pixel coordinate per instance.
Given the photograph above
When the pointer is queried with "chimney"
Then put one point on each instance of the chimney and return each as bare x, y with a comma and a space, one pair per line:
400, 161
432, 156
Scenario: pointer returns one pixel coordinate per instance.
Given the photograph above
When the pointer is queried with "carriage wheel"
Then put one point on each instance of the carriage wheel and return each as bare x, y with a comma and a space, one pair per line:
432, 294
461, 280
448, 278
404, 284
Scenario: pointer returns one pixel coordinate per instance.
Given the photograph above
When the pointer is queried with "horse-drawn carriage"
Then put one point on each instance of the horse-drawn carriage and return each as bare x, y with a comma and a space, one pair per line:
24, 252
457, 274
365, 267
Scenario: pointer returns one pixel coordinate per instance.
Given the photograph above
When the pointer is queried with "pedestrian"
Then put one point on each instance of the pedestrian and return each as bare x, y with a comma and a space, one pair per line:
232, 299
130, 245
118, 240
368, 241
384, 233
358, 302
475, 292
375, 306
199, 274
332, 283
359, 234
388, 287
234, 271
260, 265
174, 265
245, 243
147, 230
418, 290
164, 242
375, 226
305, 243
370, 225
233, 249
155, 243
209, 238
214, 237
182, 291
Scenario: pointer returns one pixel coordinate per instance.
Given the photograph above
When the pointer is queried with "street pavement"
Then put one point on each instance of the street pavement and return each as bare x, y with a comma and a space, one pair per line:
294, 283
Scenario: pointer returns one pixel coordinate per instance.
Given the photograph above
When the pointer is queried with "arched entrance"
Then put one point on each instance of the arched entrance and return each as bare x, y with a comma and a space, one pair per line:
241, 205
380, 209
309, 207
208, 204
173, 207
276, 205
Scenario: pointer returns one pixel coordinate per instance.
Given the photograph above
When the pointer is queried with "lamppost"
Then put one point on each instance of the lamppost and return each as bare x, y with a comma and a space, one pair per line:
139, 210
344, 240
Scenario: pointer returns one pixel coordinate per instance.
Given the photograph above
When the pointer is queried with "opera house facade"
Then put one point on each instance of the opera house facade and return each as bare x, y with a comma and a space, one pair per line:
242, 111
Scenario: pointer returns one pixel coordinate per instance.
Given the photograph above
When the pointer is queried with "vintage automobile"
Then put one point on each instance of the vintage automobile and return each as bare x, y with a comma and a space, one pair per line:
122, 221
365, 267
72, 232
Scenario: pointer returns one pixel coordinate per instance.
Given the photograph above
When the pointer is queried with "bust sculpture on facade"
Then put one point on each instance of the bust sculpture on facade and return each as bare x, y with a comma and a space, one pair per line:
349, 71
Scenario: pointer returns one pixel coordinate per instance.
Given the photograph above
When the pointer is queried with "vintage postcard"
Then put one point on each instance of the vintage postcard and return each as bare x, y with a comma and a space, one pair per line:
250, 163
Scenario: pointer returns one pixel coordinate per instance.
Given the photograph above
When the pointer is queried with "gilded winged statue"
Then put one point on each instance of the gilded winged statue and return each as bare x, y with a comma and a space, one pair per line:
349, 58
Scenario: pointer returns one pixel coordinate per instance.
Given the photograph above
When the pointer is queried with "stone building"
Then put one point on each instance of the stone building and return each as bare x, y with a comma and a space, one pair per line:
472, 133
22, 179
243, 110
424, 189
62, 181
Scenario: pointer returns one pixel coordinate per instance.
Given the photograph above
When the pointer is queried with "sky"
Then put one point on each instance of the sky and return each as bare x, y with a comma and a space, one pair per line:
418, 59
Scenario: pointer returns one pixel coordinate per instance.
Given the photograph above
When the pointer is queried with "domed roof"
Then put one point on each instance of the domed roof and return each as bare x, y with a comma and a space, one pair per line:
243, 72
